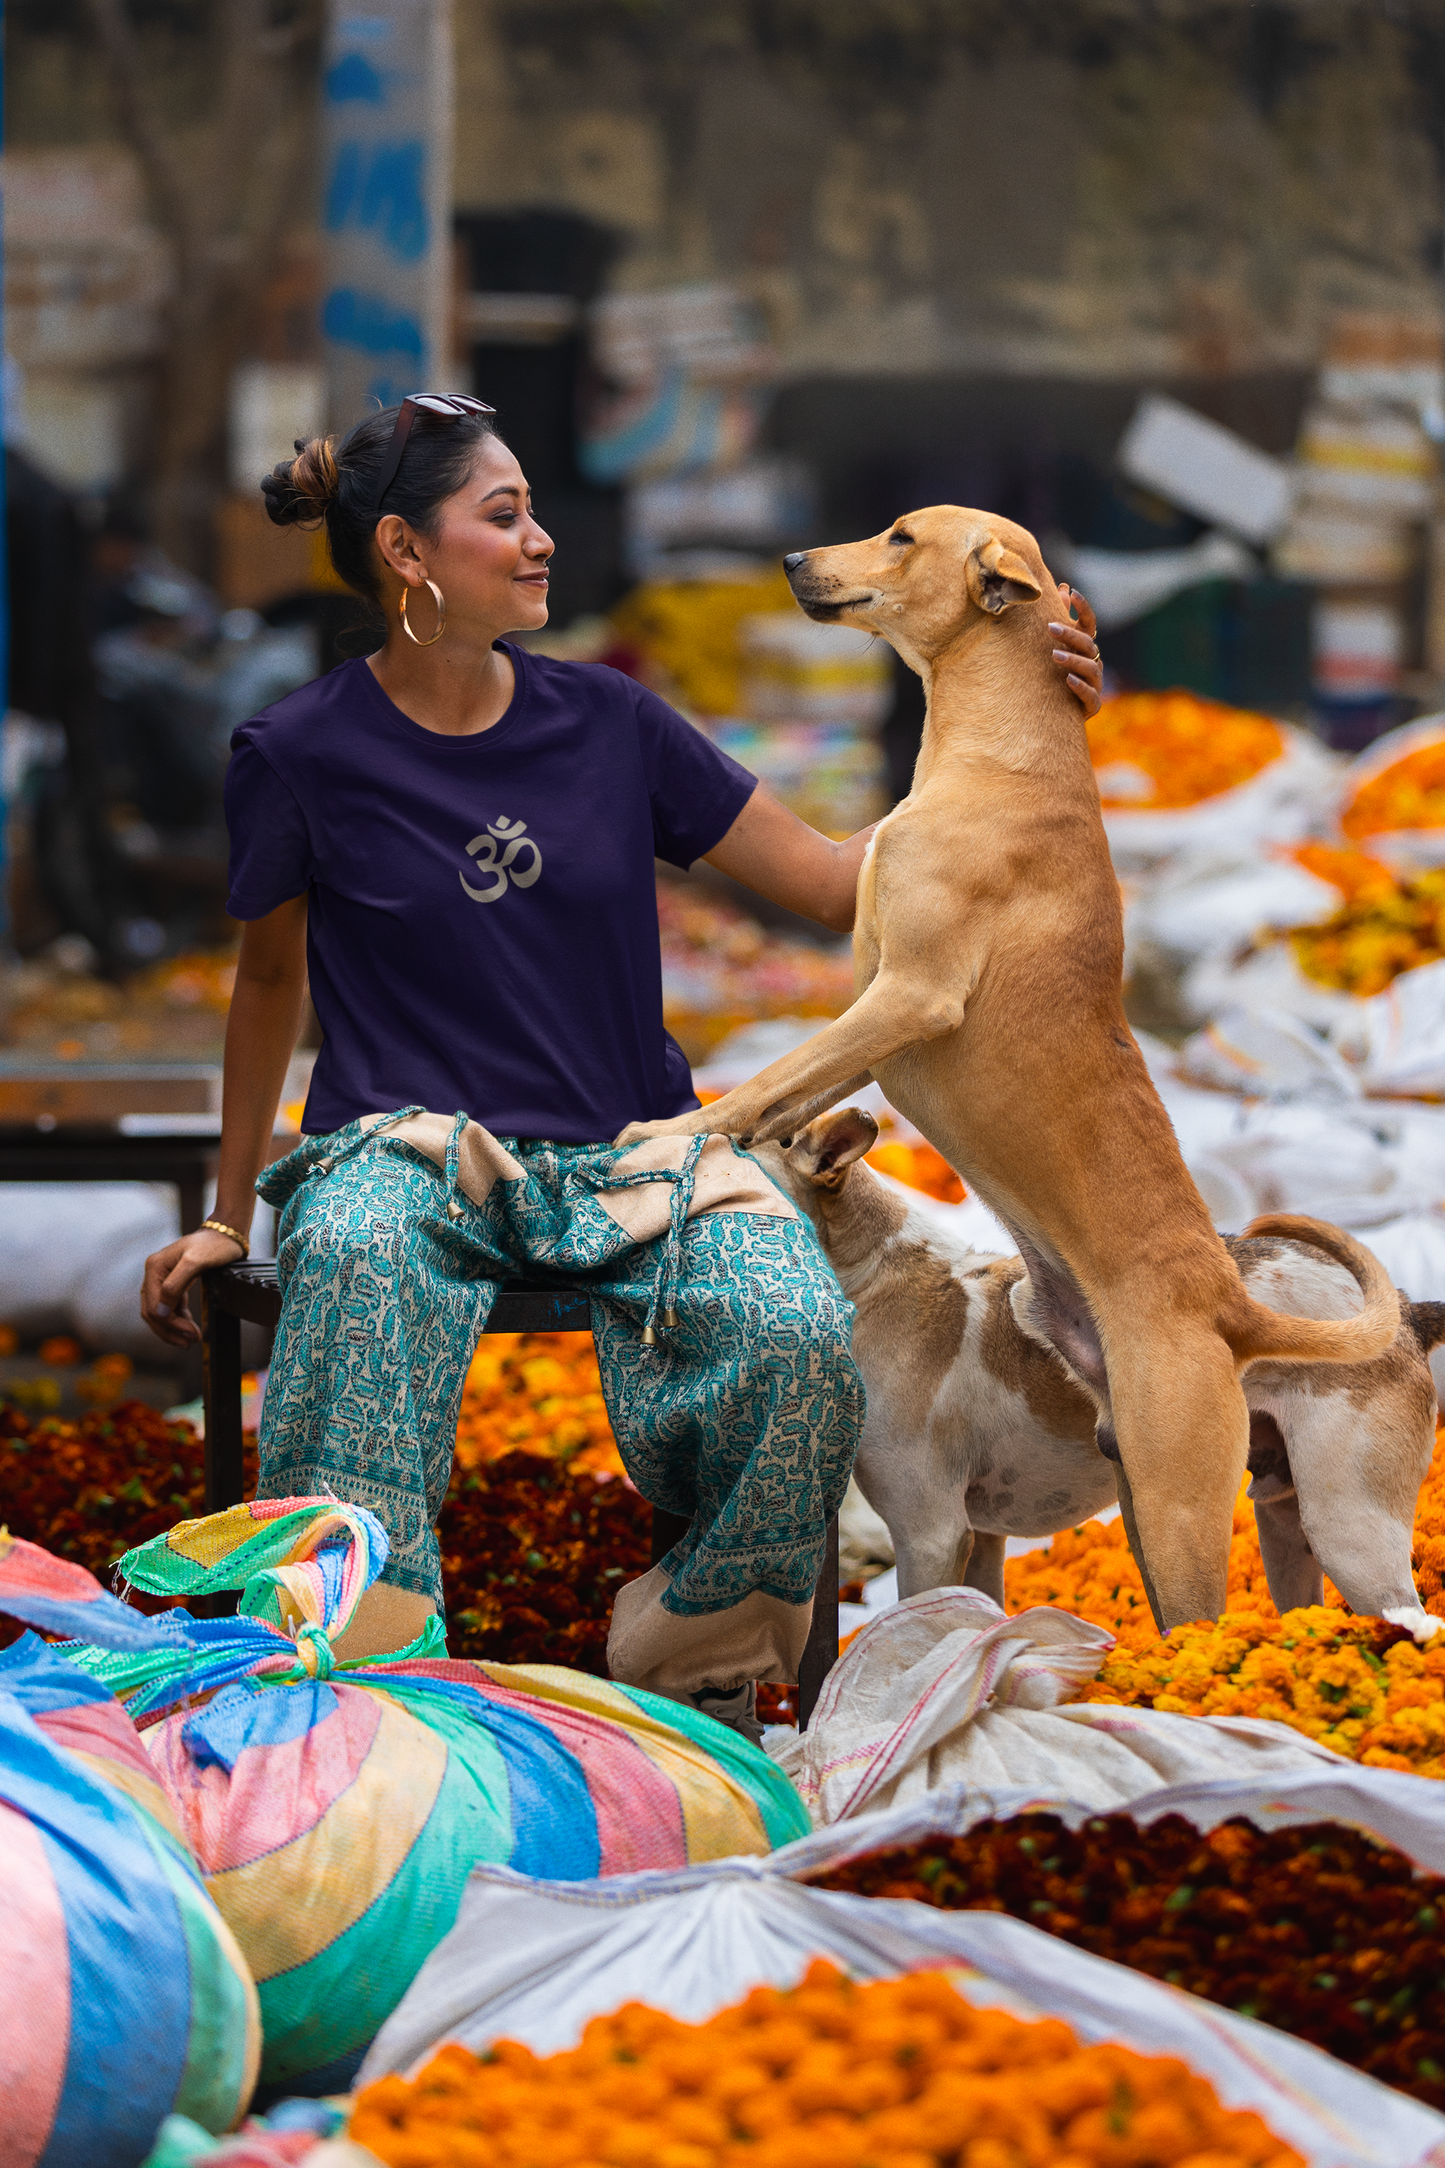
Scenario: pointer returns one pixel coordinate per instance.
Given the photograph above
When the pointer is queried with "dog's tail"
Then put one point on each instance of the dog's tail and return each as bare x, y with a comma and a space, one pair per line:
1257, 1334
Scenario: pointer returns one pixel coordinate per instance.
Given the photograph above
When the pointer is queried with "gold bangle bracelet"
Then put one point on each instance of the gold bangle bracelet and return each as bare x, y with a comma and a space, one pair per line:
219, 1227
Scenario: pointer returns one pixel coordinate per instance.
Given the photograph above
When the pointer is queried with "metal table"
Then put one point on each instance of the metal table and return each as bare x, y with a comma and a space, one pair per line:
155, 1148
249, 1291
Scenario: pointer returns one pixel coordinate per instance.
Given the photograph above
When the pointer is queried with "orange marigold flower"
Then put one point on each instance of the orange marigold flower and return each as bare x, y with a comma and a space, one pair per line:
1156, 750
831, 2075
919, 1166
1410, 793
536, 1392
1383, 926
1355, 1684
61, 1352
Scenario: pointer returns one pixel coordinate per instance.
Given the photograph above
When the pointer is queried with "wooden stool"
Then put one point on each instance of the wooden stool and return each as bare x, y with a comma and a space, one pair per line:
249, 1291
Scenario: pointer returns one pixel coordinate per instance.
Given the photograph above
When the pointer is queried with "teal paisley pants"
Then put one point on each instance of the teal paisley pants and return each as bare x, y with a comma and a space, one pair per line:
394, 1235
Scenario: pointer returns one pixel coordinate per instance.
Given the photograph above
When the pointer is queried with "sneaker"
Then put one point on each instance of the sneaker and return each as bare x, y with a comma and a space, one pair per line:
737, 1709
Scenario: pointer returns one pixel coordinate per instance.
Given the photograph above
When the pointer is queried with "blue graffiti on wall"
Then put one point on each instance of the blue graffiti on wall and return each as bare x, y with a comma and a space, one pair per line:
381, 189
372, 323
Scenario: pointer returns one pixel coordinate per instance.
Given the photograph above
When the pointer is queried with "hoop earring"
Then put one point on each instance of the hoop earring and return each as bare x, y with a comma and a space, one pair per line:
441, 602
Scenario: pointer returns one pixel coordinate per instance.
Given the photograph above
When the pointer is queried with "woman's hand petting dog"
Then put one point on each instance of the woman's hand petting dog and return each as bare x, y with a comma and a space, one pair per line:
1077, 653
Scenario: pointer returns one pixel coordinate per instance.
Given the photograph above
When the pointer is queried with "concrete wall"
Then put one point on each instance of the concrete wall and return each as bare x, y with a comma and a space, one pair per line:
1106, 191
1102, 189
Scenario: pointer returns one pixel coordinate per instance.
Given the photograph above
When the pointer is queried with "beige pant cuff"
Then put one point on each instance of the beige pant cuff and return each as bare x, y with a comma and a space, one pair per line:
759, 1638
386, 1619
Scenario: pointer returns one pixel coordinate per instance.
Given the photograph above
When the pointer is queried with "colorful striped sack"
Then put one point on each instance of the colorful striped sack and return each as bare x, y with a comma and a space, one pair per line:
337, 1808
123, 1996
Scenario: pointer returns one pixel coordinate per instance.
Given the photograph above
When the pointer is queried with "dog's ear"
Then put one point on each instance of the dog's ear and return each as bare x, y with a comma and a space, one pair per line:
998, 578
824, 1151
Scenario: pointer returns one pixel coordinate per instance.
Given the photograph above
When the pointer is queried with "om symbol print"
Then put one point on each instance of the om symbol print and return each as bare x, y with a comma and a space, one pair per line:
513, 835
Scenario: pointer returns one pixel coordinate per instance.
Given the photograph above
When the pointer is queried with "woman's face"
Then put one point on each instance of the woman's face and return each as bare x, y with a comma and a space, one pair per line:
489, 555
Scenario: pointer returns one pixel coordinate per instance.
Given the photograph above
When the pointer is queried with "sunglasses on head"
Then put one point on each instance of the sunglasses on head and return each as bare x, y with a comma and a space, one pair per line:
443, 406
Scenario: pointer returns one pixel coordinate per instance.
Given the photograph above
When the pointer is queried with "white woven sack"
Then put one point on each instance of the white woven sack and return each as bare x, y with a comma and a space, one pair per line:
1395, 1041
1266, 1054
1284, 803
1261, 978
1404, 850
1211, 903
946, 1688
536, 1961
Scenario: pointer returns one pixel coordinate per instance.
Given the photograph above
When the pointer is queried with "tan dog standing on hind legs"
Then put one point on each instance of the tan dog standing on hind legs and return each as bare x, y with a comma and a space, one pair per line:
988, 951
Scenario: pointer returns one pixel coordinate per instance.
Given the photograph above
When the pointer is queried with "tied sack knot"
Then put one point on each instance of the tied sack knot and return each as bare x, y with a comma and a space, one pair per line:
313, 1647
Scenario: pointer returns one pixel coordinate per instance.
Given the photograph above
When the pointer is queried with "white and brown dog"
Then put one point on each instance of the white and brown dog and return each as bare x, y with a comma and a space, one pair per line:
977, 1430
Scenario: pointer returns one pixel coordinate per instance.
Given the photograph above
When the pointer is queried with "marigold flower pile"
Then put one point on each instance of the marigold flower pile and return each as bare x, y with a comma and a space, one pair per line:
686, 634
1410, 793
1383, 926
533, 1553
721, 970
1090, 1571
201, 979
536, 1392
537, 1532
171, 1011
1321, 1931
1153, 751
827, 2075
61, 1352
1356, 1684
920, 1167
90, 1489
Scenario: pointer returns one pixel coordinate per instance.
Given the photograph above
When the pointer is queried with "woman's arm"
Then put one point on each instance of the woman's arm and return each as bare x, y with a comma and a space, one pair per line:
260, 1035
779, 856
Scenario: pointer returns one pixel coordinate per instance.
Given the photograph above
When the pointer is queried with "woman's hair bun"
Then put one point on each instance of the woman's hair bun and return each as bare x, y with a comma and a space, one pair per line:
301, 491
335, 486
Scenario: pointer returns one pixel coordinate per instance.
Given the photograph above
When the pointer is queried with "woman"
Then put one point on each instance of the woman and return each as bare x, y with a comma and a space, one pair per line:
455, 839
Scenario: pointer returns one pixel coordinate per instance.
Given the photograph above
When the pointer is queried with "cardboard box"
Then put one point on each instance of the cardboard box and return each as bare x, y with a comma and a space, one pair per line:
1205, 469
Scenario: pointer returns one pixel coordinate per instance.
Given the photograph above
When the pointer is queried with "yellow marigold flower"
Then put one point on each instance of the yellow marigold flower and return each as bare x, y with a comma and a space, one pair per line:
540, 1392
1383, 926
1359, 1686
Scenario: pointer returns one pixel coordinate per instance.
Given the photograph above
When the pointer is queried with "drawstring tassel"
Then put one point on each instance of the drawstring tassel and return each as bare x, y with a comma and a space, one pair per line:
454, 1143
664, 1309
664, 1299
322, 1167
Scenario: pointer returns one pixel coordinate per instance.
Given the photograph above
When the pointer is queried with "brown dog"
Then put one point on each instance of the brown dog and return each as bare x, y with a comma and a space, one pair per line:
976, 1431
988, 951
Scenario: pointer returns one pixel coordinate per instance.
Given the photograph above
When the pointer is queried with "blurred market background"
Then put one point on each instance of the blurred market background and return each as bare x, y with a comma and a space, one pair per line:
1164, 282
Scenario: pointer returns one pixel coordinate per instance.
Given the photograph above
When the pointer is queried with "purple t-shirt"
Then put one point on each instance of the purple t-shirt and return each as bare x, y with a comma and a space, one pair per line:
482, 911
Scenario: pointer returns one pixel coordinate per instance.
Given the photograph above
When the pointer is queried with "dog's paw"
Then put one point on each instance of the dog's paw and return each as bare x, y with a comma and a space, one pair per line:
1414, 1620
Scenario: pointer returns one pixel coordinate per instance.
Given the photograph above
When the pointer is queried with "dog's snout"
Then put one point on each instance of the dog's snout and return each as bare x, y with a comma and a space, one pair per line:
793, 559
